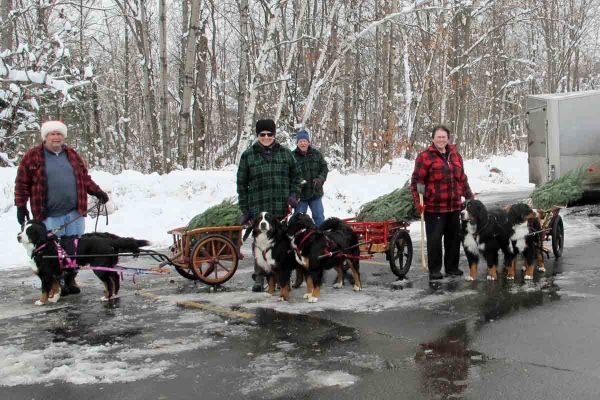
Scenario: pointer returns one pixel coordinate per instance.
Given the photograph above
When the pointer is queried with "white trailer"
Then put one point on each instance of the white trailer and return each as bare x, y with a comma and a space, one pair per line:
563, 132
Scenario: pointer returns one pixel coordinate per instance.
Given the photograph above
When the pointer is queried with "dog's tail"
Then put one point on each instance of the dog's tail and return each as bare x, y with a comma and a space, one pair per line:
128, 244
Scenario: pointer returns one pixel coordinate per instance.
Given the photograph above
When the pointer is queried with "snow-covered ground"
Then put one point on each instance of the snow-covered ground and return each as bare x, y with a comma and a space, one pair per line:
146, 206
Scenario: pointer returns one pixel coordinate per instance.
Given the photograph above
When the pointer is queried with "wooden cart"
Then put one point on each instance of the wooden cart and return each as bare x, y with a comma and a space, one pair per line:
389, 237
207, 254
551, 229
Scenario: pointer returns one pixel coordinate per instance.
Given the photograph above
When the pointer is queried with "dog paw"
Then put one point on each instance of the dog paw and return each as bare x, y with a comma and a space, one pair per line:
307, 296
38, 303
542, 269
491, 278
281, 298
54, 299
469, 278
523, 268
357, 288
104, 298
267, 294
312, 299
510, 278
338, 285
528, 277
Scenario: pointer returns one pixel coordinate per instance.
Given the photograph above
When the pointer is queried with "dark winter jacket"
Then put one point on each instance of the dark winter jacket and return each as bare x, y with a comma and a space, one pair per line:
445, 181
312, 165
266, 178
31, 182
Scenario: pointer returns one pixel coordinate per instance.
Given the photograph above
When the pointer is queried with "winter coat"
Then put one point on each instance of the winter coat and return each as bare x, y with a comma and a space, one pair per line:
31, 182
445, 181
265, 180
312, 165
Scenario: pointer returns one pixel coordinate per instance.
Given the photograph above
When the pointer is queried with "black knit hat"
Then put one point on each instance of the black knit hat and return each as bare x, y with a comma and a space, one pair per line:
265, 125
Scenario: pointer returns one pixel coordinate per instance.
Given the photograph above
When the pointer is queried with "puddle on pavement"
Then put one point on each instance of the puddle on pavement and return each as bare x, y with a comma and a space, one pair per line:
443, 365
305, 331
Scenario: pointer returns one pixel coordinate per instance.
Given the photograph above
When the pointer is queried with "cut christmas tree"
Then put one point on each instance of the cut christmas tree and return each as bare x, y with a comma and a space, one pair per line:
397, 205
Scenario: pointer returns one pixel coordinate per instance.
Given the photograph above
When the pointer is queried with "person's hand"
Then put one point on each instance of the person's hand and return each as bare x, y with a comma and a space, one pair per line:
22, 215
420, 208
246, 217
317, 183
102, 196
292, 201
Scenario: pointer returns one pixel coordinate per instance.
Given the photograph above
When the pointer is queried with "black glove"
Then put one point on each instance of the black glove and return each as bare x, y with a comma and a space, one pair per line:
317, 183
246, 216
102, 196
22, 215
292, 201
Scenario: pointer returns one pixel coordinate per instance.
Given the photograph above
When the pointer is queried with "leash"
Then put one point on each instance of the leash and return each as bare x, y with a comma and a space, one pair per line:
98, 206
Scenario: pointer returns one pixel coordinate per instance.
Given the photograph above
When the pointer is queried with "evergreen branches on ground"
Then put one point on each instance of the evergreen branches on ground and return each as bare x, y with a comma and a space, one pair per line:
225, 214
397, 205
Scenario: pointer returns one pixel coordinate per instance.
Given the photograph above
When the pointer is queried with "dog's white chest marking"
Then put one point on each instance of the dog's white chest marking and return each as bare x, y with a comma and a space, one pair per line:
29, 247
469, 241
518, 238
263, 247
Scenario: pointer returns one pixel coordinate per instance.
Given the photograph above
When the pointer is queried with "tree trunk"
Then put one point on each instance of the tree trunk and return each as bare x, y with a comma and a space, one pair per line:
164, 101
188, 81
6, 32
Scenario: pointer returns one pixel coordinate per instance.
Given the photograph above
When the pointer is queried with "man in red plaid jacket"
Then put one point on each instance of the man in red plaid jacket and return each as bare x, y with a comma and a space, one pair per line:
56, 182
440, 169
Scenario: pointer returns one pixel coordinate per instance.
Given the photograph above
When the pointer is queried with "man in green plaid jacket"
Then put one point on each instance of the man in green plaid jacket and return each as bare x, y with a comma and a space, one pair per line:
268, 180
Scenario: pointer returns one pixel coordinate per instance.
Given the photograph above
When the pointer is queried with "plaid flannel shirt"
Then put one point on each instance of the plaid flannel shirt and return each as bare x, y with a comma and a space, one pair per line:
31, 182
445, 181
312, 165
265, 183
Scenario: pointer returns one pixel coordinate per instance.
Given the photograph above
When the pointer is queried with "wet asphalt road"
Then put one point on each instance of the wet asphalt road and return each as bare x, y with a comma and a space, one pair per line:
452, 339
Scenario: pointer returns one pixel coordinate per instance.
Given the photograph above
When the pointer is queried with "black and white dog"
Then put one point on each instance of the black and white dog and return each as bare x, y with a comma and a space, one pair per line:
522, 242
94, 249
273, 253
485, 233
317, 250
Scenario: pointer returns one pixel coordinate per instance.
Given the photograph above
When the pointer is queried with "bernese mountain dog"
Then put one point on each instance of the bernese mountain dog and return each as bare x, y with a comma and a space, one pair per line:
327, 247
272, 253
94, 249
485, 232
522, 242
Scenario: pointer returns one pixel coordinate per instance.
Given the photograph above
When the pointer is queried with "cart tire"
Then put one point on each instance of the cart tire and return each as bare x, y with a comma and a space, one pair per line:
186, 272
400, 253
214, 259
558, 236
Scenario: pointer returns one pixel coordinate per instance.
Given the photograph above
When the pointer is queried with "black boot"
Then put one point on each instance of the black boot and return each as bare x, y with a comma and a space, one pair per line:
259, 283
70, 286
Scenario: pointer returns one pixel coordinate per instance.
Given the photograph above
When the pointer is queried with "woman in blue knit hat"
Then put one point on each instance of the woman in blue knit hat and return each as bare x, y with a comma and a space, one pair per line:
313, 169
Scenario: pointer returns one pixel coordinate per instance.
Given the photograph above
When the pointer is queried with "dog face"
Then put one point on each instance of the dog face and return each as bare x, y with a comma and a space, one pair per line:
475, 212
34, 233
266, 224
520, 213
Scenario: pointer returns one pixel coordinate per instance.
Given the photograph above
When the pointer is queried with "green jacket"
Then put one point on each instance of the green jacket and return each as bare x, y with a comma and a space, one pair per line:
311, 165
266, 179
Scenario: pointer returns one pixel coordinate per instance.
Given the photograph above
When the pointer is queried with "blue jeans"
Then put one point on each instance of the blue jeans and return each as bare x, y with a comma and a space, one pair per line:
76, 228
316, 209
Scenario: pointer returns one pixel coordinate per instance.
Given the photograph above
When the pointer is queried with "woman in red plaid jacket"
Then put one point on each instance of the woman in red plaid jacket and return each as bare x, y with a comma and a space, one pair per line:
440, 169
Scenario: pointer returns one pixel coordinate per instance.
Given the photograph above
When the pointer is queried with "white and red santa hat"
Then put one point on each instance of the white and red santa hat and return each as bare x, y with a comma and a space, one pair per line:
53, 126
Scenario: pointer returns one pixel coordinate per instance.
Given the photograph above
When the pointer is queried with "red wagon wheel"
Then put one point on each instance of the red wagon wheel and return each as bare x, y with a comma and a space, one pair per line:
214, 259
